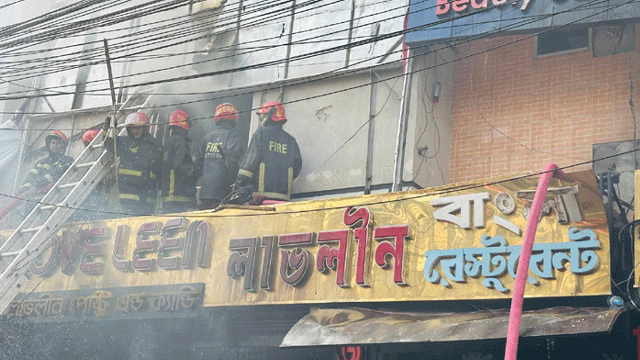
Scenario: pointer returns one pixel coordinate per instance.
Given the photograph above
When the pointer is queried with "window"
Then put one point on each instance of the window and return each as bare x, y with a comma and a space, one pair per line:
562, 41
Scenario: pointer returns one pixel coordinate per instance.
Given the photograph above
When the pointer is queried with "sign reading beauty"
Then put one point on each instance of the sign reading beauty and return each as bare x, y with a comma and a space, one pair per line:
424, 245
430, 21
444, 6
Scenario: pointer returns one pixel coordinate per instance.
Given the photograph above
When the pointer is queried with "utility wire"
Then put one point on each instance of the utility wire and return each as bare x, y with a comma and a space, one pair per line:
160, 47
574, 165
420, 194
231, 55
11, 4
295, 58
299, 42
331, 75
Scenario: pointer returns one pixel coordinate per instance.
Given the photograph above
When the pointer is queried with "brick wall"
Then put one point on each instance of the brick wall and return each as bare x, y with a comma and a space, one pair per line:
513, 113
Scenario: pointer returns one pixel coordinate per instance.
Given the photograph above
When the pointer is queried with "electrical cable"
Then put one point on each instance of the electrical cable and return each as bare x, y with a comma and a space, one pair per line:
163, 45
173, 44
107, 19
346, 89
421, 194
361, 127
178, 66
10, 4
188, 17
303, 56
591, 161
112, 22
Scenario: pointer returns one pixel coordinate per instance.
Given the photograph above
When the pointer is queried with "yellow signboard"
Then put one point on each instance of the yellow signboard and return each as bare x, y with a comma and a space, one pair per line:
454, 242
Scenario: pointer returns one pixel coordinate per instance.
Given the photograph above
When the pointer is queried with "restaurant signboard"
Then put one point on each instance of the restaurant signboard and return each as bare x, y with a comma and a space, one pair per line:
448, 243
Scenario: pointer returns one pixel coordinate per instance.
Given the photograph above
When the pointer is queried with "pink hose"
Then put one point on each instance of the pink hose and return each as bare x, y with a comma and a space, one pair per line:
20, 198
522, 274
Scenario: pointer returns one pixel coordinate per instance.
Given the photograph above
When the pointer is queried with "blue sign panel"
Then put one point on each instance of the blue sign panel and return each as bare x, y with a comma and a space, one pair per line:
434, 20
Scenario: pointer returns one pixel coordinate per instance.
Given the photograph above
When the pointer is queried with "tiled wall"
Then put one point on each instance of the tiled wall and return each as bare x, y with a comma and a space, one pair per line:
513, 113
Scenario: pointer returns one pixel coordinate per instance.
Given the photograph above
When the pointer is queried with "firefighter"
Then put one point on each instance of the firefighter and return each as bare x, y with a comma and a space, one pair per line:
98, 199
179, 173
46, 171
273, 159
218, 157
139, 166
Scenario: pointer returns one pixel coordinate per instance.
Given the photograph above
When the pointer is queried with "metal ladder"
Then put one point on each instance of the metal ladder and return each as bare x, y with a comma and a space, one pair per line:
31, 237
65, 197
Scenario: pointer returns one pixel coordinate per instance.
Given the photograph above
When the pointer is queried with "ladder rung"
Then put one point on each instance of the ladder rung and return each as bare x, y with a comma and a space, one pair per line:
48, 207
69, 185
30, 230
98, 145
86, 165
10, 253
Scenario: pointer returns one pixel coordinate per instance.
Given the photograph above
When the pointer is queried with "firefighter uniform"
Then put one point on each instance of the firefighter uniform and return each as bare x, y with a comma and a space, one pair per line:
46, 171
139, 169
272, 161
218, 157
179, 173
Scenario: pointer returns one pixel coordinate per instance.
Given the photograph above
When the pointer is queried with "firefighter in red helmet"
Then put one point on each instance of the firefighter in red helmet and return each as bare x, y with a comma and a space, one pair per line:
273, 158
140, 164
89, 135
98, 199
218, 157
46, 171
179, 173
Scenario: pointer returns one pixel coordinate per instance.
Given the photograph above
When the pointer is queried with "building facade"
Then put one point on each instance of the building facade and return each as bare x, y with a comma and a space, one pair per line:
490, 89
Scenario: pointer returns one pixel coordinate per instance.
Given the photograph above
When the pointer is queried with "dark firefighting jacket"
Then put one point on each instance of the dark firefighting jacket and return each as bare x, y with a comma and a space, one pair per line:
218, 158
140, 166
46, 171
179, 173
272, 161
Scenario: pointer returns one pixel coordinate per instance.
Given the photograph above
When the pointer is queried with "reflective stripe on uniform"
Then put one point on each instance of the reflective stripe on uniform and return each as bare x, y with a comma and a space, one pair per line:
272, 195
177, 199
261, 178
246, 173
289, 182
129, 196
172, 182
130, 172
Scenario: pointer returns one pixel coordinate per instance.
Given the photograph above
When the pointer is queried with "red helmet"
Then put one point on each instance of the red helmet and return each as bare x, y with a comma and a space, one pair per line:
179, 118
89, 135
275, 108
55, 134
225, 111
136, 119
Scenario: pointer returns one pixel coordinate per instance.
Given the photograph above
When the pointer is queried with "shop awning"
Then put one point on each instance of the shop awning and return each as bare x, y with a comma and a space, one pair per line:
364, 326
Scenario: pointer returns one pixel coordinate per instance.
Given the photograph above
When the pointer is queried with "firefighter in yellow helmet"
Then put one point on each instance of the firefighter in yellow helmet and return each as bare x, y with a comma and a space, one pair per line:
218, 158
47, 171
179, 173
140, 164
273, 158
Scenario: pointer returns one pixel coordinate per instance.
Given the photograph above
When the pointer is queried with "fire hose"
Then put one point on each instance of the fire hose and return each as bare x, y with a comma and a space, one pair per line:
18, 199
